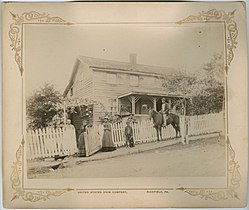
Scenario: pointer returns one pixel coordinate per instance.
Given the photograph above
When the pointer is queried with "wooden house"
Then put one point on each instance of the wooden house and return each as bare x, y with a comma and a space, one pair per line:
121, 87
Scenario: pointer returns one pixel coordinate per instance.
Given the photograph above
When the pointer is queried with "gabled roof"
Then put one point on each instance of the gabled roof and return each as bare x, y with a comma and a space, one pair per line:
115, 66
125, 66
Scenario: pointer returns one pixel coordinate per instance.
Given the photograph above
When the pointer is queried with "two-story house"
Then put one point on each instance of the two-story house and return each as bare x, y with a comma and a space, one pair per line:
121, 87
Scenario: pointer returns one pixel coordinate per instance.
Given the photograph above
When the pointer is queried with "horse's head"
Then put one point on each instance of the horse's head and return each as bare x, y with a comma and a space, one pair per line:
151, 111
153, 114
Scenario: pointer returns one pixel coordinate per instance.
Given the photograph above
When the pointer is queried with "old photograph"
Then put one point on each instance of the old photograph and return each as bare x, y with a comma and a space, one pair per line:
124, 105
120, 100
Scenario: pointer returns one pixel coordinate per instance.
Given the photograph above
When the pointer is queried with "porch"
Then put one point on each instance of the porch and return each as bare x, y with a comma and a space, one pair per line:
139, 103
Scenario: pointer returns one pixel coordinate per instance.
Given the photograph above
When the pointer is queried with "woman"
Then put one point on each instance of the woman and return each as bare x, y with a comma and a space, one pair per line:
81, 141
107, 143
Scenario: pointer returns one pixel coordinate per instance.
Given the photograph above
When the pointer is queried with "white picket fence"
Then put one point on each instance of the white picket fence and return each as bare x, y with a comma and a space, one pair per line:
143, 131
49, 142
205, 124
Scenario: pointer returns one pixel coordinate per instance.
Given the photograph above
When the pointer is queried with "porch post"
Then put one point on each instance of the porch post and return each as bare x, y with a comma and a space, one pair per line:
169, 103
154, 103
133, 103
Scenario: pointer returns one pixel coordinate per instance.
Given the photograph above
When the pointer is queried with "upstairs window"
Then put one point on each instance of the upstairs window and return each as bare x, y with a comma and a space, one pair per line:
111, 78
134, 80
112, 106
122, 78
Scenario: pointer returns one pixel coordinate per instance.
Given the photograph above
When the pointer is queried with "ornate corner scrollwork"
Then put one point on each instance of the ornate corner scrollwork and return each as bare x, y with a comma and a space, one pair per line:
16, 45
15, 32
233, 176
17, 185
231, 28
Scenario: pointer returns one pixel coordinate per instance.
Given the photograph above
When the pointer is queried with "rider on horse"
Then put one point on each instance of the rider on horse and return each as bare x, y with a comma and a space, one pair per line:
164, 110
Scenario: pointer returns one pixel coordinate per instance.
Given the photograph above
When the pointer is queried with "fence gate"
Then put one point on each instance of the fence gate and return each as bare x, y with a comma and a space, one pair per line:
93, 140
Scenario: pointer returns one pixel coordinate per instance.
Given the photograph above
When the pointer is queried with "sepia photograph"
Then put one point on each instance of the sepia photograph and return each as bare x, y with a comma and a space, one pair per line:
125, 105
125, 100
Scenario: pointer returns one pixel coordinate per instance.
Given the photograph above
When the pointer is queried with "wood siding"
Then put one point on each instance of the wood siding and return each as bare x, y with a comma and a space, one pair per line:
105, 91
82, 88
105, 87
83, 84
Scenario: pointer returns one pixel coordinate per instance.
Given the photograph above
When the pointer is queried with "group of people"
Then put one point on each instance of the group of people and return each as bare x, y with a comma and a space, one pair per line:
107, 141
105, 132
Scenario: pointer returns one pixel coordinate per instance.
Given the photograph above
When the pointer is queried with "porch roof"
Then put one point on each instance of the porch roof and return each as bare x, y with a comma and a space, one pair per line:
159, 94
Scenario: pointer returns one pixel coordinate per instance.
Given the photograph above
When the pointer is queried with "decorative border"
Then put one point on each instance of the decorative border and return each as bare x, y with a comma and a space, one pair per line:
230, 28
18, 185
16, 37
16, 30
234, 179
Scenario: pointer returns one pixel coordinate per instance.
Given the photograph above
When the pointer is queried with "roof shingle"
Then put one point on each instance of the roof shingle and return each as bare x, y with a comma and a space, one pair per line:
125, 66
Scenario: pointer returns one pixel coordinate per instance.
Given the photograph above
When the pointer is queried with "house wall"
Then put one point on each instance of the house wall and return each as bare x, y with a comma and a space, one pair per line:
83, 84
106, 90
82, 88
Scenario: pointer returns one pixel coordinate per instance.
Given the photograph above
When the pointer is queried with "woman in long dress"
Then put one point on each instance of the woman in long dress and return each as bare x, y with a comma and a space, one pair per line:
81, 141
107, 142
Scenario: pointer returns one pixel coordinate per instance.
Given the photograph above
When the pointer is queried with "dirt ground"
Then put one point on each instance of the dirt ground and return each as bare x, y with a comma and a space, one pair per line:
204, 158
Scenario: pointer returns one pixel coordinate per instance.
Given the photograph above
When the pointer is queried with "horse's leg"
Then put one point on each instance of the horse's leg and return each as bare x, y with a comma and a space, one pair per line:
174, 126
160, 129
157, 133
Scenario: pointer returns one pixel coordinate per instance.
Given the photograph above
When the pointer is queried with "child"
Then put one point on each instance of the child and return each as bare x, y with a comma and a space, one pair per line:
128, 135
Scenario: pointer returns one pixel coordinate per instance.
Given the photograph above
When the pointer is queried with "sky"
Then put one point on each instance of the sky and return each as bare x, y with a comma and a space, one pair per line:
51, 50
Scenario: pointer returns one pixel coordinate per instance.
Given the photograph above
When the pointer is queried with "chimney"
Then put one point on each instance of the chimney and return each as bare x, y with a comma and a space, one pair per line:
133, 58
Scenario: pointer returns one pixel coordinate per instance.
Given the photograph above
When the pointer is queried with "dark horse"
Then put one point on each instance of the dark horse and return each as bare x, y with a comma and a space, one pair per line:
172, 119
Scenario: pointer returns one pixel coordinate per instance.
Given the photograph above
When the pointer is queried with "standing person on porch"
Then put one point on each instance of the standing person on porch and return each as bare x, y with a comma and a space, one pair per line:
165, 110
107, 142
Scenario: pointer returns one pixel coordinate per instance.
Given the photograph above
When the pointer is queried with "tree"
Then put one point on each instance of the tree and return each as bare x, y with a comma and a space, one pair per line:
210, 85
214, 69
43, 106
206, 86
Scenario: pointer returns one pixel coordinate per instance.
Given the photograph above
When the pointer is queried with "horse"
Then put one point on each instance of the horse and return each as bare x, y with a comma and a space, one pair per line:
157, 121
172, 119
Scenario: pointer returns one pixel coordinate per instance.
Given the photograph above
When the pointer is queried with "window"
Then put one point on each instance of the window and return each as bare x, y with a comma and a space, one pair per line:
121, 78
112, 106
112, 78
134, 80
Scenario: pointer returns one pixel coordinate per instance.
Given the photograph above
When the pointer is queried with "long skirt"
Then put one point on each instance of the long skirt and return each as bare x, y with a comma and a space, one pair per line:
107, 143
81, 145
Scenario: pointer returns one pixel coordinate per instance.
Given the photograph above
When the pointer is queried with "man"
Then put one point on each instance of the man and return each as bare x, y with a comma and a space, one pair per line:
129, 135
164, 110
